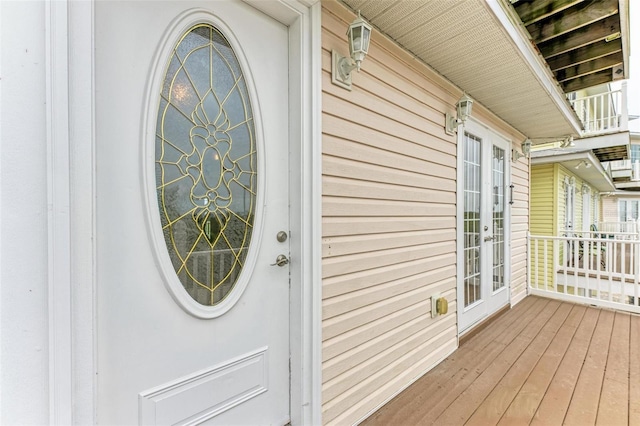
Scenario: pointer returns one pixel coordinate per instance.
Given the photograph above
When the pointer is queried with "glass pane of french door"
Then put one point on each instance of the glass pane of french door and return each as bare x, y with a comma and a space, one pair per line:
472, 200
498, 218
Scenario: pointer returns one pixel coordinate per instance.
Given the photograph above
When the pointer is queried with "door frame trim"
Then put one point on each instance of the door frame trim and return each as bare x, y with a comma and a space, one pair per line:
59, 219
72, 295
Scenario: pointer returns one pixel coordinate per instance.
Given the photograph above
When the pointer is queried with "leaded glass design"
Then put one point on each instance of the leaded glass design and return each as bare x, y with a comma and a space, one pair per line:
206, 164
472, 199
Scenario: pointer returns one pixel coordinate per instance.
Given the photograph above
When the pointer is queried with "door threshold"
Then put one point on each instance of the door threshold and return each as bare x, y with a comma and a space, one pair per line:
468, 334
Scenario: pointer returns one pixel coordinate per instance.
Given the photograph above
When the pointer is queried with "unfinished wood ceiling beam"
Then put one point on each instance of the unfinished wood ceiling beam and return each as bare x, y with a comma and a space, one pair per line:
581, 37
600, 64
590, 80
582, 41
611, 153
531, 11
585, 54
571, 19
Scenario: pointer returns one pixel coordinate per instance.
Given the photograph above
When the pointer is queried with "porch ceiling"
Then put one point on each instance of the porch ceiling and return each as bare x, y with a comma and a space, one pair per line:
583, 164
608, 147
584, 42
482, 47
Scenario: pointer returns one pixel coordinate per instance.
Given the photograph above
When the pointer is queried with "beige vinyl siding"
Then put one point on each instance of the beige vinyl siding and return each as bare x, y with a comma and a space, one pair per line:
389, 228
389, 223
609, 209
519, 227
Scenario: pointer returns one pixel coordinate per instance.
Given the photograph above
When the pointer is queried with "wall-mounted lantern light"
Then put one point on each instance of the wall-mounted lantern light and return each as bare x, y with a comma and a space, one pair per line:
526, 151
584, 164
567, 142
359, 35
463, 111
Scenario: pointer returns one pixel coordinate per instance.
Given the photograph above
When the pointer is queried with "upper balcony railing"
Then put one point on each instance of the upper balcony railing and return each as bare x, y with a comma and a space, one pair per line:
604, 112
625, 230
624, 169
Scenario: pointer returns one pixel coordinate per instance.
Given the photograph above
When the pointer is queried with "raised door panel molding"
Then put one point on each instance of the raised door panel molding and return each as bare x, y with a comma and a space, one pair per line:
207, 393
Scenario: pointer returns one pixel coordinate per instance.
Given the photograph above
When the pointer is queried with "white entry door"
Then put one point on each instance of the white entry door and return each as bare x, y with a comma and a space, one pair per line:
192, 173
483, 287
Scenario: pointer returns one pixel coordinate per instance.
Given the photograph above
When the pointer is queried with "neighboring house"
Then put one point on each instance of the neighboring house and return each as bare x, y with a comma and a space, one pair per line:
621, 207
568, 178
626, 173
566, 199
197, 224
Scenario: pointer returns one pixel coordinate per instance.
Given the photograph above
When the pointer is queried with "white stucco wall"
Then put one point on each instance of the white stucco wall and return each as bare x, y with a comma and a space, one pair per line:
23, 215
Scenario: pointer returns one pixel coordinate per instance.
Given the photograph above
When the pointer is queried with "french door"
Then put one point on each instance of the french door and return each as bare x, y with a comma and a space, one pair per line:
483, 284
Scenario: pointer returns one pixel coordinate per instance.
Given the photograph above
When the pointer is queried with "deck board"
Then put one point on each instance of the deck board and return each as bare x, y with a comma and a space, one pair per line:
554, 404
528, 399
583, 408
544, 362
454, 374
614, 401
497, 402
465, 404
484, 352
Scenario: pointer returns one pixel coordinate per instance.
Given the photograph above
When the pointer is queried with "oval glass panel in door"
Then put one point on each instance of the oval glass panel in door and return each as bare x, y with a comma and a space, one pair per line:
206, 164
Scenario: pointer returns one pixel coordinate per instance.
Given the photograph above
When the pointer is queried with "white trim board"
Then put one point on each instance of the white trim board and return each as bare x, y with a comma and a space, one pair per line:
59, 220
70, 144
82, 188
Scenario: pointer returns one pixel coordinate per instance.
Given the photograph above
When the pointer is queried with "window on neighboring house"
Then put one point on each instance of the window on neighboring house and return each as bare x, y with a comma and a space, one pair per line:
628, 210
634, 160
635, 153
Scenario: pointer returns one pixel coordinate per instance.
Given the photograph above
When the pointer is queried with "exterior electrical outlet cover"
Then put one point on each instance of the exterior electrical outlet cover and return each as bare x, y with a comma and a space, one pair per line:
442, 306
434, 305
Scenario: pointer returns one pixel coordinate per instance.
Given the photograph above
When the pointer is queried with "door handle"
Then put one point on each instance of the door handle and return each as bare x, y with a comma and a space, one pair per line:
489, 238
281, 260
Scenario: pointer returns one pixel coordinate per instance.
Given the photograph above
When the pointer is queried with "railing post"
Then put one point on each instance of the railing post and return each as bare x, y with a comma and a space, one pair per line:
546, 267
528, 262
587, 116
624, 112
636, 281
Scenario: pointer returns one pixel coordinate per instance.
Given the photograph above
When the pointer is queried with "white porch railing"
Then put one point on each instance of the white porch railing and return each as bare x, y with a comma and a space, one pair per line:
604, 112
619, 229
590, 267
